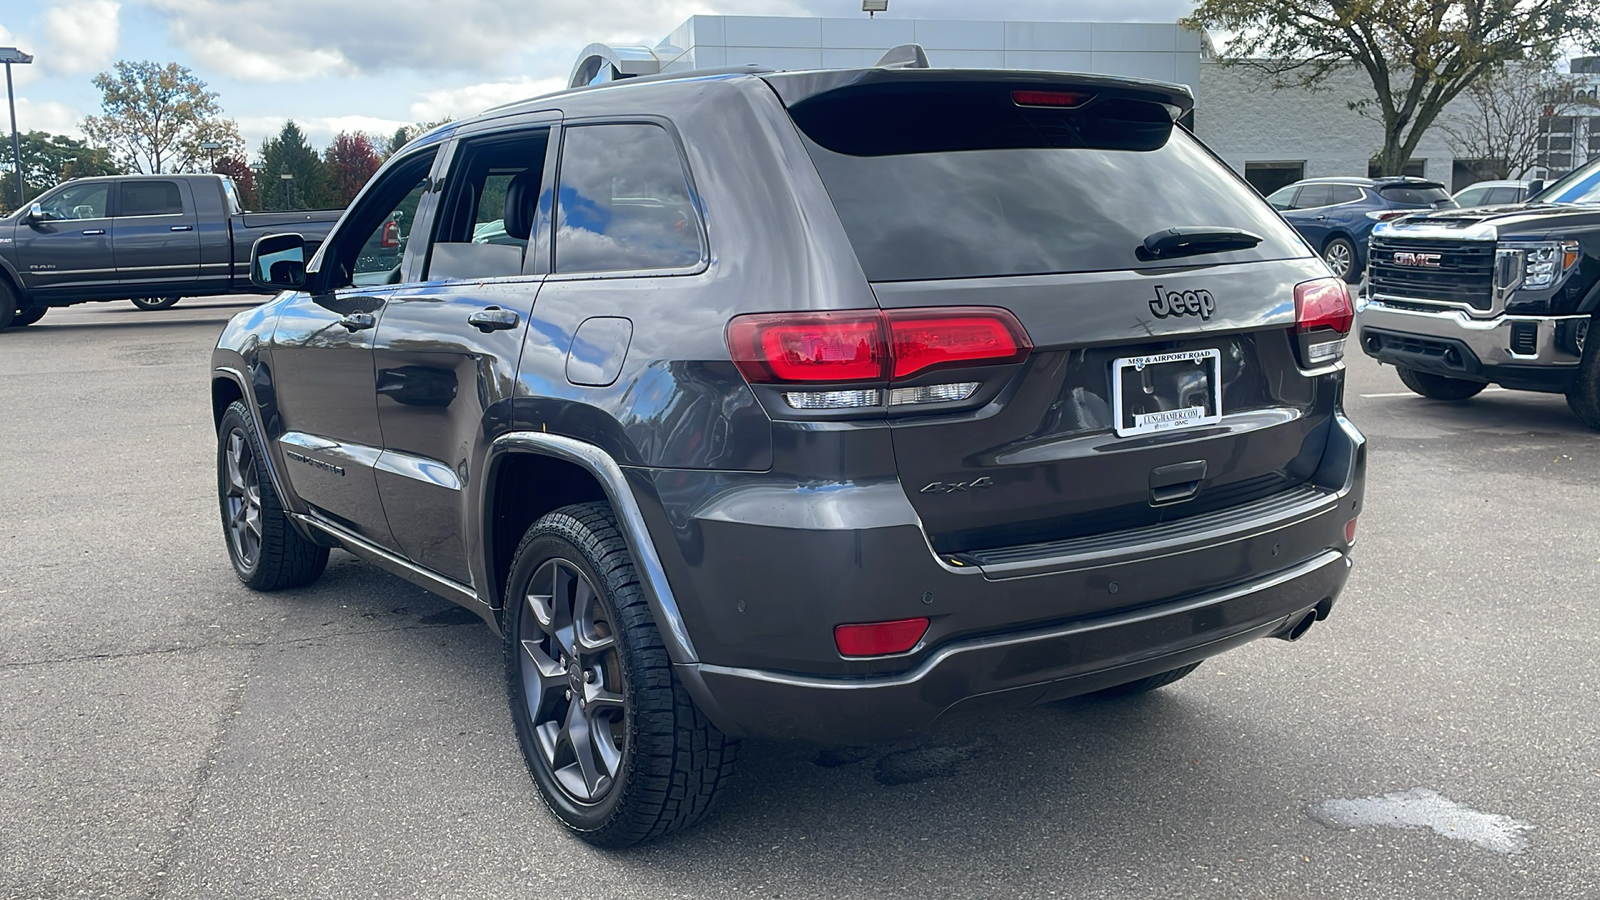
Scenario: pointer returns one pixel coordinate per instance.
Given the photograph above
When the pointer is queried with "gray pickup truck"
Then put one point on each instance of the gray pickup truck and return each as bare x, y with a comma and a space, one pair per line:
147, 238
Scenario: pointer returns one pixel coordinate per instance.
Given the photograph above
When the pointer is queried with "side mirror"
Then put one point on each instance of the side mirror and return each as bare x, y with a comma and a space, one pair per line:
1535, 186
35, 214
278, 261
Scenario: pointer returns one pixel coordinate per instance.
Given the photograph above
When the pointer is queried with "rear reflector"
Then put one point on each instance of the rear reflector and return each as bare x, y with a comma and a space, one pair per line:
879, 638
872, 345
1054, 99
1350, 532
1324, 303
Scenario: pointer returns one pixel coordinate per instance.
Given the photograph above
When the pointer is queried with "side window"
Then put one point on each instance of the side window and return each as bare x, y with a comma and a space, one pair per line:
624, 202
78, 201
371, 243
1283, 198
1345, 193
1313, 196
1473, 197
1501, 195
149, 198
489, 207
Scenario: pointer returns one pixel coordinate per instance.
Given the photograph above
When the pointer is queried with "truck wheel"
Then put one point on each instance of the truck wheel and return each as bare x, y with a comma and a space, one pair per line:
268, 554
8, 305
151, 304
1584, 396
1340, 255
28, 316
1439, 387
618, 750
1146, 685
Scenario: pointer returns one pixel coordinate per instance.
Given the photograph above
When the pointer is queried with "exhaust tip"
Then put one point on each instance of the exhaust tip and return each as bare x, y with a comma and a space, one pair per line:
1298, 630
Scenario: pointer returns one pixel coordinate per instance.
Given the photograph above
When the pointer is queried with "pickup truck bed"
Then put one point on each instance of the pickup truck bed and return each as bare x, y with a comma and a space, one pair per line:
135, 237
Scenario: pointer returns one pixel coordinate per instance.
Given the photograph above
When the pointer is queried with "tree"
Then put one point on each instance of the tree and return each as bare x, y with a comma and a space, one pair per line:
405, 134
289, 153
350, 160
154, 118
243, 178
1498, 124
48, 160
1418, 54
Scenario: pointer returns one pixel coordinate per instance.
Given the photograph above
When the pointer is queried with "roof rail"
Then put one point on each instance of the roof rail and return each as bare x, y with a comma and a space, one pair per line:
640, 79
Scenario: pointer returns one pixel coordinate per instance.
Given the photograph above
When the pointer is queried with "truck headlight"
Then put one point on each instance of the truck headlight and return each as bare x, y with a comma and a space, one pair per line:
1545, 262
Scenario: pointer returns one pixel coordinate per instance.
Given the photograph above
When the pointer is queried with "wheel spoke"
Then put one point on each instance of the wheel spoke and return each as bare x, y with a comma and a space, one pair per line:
601, 701
581, 738
564, 584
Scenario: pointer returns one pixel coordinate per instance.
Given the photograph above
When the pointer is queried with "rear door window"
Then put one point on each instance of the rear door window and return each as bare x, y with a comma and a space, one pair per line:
624, 203
961, 182
149, 198
1344, 193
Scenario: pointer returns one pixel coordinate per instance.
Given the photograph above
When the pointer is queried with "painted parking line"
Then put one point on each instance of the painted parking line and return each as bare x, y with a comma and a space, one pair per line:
1410, 394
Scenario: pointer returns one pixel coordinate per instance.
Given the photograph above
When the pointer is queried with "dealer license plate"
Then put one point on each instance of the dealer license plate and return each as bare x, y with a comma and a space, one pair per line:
1167, 391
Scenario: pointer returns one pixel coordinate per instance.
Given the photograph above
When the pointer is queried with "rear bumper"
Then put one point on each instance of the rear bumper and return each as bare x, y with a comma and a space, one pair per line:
763, 572
1520, 352
1022, 668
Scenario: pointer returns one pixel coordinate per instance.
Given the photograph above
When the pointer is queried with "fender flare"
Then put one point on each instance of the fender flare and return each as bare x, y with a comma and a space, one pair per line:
238, 379
15, 278
635, 533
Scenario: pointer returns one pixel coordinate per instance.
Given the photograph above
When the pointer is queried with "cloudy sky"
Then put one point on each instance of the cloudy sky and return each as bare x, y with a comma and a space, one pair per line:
373, 65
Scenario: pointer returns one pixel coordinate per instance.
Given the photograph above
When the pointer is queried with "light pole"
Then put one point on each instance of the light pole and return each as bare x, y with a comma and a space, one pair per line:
288, 188
10, 55
211, 148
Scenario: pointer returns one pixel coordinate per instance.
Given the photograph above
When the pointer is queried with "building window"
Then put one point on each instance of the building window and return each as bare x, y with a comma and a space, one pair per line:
1267, 177
1414, 168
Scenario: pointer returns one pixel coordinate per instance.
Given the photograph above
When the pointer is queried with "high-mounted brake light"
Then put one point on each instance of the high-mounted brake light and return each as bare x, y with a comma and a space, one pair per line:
1055, 99
1323, 315
854, 346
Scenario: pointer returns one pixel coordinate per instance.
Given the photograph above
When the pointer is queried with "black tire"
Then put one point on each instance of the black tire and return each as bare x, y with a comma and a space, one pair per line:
268, 554
1584, 396
28, 316
8, 305
1340, 255
1146, 685
151, 304
654, 762
1439, 387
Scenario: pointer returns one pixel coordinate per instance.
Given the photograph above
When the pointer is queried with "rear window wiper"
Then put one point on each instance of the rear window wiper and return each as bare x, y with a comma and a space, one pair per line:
1193, 240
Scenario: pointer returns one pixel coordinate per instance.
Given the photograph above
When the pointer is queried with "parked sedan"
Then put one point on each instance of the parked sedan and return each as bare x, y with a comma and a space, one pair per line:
1336, 215
1494, 193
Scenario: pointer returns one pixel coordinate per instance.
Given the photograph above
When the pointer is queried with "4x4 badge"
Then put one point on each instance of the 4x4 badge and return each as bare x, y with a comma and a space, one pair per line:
950, 487
1185, 303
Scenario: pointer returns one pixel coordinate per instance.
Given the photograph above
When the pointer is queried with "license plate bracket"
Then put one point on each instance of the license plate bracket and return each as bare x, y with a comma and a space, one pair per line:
1166, 391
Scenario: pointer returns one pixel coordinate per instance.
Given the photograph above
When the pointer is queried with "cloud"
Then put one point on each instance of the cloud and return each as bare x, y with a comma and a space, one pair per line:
44, 115
319, 130
282, 40
461, 102
81, 36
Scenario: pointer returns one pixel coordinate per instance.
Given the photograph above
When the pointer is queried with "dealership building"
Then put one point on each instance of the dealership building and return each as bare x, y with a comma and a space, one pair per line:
1271, 136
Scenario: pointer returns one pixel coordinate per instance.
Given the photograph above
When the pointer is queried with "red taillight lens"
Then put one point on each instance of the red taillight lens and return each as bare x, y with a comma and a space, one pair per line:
1350, 532
1324, 303
815, 347
919, 340
1056, 99
879, 638
862, 345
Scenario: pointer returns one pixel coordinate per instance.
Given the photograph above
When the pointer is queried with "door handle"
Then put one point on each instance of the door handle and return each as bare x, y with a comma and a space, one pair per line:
359, 321
493, 319
95, 231
182, 228
1321, 218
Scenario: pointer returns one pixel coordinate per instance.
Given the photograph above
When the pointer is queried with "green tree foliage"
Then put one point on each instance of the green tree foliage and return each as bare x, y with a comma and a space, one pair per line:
243, 178
153, 118
289, 153
1418, 54
350, 160
48, 160
405, 134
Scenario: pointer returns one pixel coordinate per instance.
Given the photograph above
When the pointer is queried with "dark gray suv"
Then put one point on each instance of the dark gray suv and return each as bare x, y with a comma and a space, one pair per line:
803, 405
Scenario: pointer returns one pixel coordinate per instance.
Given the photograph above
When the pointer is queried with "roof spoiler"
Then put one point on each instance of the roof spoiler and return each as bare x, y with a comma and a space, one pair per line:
905, 56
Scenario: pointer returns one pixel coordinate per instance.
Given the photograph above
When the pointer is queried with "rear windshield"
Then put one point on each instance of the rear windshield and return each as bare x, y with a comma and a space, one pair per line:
1411, 195
1046, 193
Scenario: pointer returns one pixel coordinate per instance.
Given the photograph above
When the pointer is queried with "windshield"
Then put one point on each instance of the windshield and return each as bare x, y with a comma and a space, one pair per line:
1578, 186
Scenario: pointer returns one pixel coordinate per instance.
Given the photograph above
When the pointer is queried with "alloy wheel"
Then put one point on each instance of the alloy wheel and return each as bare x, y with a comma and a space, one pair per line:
1337, 256
242, 498
572, 681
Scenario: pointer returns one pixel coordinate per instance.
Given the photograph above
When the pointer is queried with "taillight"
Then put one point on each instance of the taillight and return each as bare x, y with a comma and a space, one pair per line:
855, 346
879, 638
1323, 315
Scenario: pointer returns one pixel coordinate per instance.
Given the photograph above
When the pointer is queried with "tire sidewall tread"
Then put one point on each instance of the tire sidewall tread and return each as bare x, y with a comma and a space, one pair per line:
286, 559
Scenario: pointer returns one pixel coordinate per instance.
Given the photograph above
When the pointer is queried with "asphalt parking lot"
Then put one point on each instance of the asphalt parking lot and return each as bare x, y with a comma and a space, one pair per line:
168, 734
